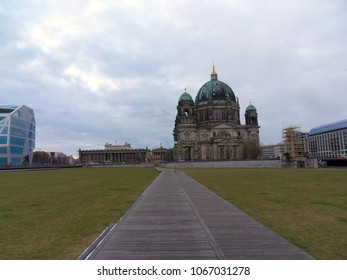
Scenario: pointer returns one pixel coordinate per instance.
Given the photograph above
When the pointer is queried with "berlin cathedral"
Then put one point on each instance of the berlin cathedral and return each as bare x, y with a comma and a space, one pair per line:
210, 128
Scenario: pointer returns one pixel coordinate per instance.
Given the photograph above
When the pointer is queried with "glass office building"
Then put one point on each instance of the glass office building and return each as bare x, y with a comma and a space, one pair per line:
17, 135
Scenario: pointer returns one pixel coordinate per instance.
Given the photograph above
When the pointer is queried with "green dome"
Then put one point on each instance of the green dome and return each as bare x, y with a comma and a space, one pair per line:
215, 90
251, 108
186, 97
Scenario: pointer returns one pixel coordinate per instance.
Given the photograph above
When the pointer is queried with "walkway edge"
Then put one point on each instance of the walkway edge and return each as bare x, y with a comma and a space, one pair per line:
87, 252
105, 235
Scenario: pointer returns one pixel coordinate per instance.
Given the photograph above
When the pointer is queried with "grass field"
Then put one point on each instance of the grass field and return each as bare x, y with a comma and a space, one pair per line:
56, 214
306, 206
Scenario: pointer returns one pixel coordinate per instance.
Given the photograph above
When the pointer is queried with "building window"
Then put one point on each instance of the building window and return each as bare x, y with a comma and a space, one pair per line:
3, 140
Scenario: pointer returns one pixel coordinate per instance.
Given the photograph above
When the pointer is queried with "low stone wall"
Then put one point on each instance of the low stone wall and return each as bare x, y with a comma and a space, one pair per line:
225, 164
141, 165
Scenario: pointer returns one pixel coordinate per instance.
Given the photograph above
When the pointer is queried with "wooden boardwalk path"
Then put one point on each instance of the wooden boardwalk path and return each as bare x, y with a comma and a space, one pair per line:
178, 218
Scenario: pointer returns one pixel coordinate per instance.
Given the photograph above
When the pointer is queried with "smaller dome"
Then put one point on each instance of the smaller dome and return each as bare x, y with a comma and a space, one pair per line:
186, 97
251, 108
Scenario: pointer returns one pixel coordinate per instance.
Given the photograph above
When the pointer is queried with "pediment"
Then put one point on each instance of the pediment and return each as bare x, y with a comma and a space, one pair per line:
223, 126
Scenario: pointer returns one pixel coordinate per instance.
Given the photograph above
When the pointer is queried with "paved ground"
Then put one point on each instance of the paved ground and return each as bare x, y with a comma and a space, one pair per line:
178, 218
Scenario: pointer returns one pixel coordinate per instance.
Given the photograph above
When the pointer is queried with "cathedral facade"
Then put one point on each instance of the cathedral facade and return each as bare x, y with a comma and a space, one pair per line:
209, 128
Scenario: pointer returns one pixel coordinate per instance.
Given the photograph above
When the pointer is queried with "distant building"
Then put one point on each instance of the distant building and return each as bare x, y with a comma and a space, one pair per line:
273, 151
268, 152
210, 128
17, 135
279, 150
113, 154
328, 141
51, 158
161, 154
324, 145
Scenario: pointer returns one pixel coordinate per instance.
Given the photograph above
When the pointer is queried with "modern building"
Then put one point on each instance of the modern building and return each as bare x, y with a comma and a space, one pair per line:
210, 128
113, 154
17, 135
328, 141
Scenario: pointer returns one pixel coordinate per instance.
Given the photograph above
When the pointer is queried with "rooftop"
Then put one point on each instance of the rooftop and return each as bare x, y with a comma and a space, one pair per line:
329, 127
6, 109
126, 146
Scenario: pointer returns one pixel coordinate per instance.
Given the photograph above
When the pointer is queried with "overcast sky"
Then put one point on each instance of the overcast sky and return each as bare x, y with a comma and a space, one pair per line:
112, 71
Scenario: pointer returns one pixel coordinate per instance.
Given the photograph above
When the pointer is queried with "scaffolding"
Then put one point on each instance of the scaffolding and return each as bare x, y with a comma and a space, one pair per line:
294, 146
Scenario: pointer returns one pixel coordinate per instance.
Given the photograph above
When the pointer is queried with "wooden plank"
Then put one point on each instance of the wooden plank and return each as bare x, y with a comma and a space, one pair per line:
162, 225
178, 218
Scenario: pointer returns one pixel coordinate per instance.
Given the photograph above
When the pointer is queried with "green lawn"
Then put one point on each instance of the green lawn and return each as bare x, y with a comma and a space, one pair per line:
56, 214
306, 206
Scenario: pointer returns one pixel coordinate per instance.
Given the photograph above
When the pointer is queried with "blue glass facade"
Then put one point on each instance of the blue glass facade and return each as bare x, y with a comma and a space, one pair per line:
17, 135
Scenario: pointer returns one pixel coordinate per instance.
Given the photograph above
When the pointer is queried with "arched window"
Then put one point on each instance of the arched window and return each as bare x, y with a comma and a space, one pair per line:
186, 113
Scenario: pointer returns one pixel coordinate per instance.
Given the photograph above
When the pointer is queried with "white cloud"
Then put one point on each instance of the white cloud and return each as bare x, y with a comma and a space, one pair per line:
115, 69
44, 38
92, 79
